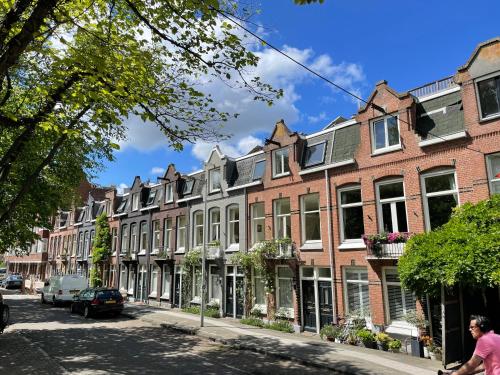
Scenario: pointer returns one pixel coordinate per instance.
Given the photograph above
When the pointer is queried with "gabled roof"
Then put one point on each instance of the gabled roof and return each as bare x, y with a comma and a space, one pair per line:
379, 86
218, 151
476, 52
280, 131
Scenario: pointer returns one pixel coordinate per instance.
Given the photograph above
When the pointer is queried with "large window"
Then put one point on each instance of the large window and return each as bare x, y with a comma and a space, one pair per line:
309, 215
284, 286
215, 286
385, 134
280, 162
135, 202
123, 277
197, 280
259, 290
282, 226
314, 154
489, 96
257, 222
356, 289
234, 225
493, 164
114, 239
156, 235
167, 234
169, 193
86, 245
131, 281
151, 198
214, 224
351, 214
198, 228
144, 237
181, 233
153, 288
258, 170
133, 238
398, 301
391, 207
440, 197
124, 242
214, 180
165, 285
188, 186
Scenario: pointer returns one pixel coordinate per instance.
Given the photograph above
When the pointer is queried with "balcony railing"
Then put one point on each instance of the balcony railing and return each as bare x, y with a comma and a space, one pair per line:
386, 250
433, 87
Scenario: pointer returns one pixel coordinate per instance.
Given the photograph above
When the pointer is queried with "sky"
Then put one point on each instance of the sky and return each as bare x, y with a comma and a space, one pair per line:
353, 43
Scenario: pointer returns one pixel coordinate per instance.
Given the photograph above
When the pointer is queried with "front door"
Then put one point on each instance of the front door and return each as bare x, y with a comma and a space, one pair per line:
325, 303
309, 305
230, 295
239, 296
234, 291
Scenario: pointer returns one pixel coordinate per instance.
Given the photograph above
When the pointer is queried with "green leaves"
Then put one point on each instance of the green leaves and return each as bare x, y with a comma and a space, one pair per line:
466, 251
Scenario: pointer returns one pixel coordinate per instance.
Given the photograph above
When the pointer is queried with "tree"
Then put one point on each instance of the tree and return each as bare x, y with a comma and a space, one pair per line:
71, 72
101, 249
465, 251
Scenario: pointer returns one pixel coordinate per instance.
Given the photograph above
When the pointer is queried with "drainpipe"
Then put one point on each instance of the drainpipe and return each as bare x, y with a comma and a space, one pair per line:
245, 286
203, 255
148, 257
330, 247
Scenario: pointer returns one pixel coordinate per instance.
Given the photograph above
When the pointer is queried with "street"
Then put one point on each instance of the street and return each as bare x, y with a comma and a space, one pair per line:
42, 339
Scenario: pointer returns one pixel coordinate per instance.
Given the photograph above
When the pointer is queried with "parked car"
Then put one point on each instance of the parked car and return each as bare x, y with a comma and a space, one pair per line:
4, 314
61, 289
95, 301
3, 275
13, 282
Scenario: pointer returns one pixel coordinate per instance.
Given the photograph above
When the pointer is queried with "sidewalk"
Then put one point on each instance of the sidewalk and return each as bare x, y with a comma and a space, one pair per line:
308, 350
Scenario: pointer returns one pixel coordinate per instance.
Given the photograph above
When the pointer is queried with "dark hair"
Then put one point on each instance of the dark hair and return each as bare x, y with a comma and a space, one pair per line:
482, 322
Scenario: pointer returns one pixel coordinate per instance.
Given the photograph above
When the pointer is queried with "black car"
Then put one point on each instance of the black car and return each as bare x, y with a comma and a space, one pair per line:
13, 282
94, 301
4, 314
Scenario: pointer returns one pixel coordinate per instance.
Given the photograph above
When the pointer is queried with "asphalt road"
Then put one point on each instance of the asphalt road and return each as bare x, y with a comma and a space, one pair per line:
49, 340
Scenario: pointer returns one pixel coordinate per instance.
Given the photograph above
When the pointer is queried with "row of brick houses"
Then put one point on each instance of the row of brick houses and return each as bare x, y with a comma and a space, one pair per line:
399, 165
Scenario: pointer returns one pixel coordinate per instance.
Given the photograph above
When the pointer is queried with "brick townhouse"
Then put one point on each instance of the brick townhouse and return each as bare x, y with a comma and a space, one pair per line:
399, 165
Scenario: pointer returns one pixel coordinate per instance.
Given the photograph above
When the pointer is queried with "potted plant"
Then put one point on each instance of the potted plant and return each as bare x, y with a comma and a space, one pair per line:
426, 341
329, 331
382, 340
366, 338
394, 345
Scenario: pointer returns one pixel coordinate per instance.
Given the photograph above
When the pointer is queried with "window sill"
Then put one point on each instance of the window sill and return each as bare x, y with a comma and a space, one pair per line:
142, 252
387, 150
281, 175
441, 139
352, 246
233, 248
152, 295
489, 118
180, 251
312, 246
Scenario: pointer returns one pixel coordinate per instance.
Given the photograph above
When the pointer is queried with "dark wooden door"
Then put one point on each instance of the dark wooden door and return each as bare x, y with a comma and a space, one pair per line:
309, 305
325, 303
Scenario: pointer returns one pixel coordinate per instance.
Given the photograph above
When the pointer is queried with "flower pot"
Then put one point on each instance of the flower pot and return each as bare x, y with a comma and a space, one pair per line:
338, 341
382, 346
367, 344
426, 352
432, 356
331, 339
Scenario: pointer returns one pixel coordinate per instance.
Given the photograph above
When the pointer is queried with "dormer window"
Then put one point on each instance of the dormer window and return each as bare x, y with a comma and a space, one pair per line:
121, 207
169, 193
151, 197
214, 180
385, 134
188, 187
135, 202
258, 170
489, 97
314, 154
280, 163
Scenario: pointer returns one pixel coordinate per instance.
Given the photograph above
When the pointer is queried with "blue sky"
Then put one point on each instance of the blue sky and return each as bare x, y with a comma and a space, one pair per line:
353, 43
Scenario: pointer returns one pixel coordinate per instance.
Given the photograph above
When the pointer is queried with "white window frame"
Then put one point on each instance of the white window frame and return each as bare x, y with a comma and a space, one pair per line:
426, 195
213, 188
133, 238
114, 239
279, 161
255, 166
283, 218
167, 233
153, 284
156, 236
231, 224
135, 201
255, 220
349, 241
359, 282
143, 238
169, 193
478, 99
323, 143
198, 242
392, 202
131, 281
181, 234
210, 287
259, 278
290, 310
489, 167
124, 248
385, 283
214, 225
165, 282
386, 147
303, 222
197, 298
123, 277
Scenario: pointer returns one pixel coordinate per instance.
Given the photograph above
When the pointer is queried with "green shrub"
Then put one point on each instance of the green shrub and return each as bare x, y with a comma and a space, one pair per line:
209, 312
365, 336
395, 345
281, 325
253, 322
382, 337
329, 331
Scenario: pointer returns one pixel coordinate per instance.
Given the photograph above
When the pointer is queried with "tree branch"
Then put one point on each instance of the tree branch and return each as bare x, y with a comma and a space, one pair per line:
11, 18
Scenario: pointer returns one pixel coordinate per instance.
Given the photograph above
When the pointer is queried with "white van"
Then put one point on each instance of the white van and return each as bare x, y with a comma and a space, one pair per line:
61, 289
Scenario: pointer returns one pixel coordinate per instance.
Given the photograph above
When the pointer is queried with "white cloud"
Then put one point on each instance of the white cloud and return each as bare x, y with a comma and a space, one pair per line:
120, 188
157, 170
256, 118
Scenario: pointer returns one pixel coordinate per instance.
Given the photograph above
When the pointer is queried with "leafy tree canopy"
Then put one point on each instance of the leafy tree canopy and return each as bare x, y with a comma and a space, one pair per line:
466, 251
72, 71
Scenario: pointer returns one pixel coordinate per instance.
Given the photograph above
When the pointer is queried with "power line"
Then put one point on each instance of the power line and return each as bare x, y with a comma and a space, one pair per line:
373, 105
